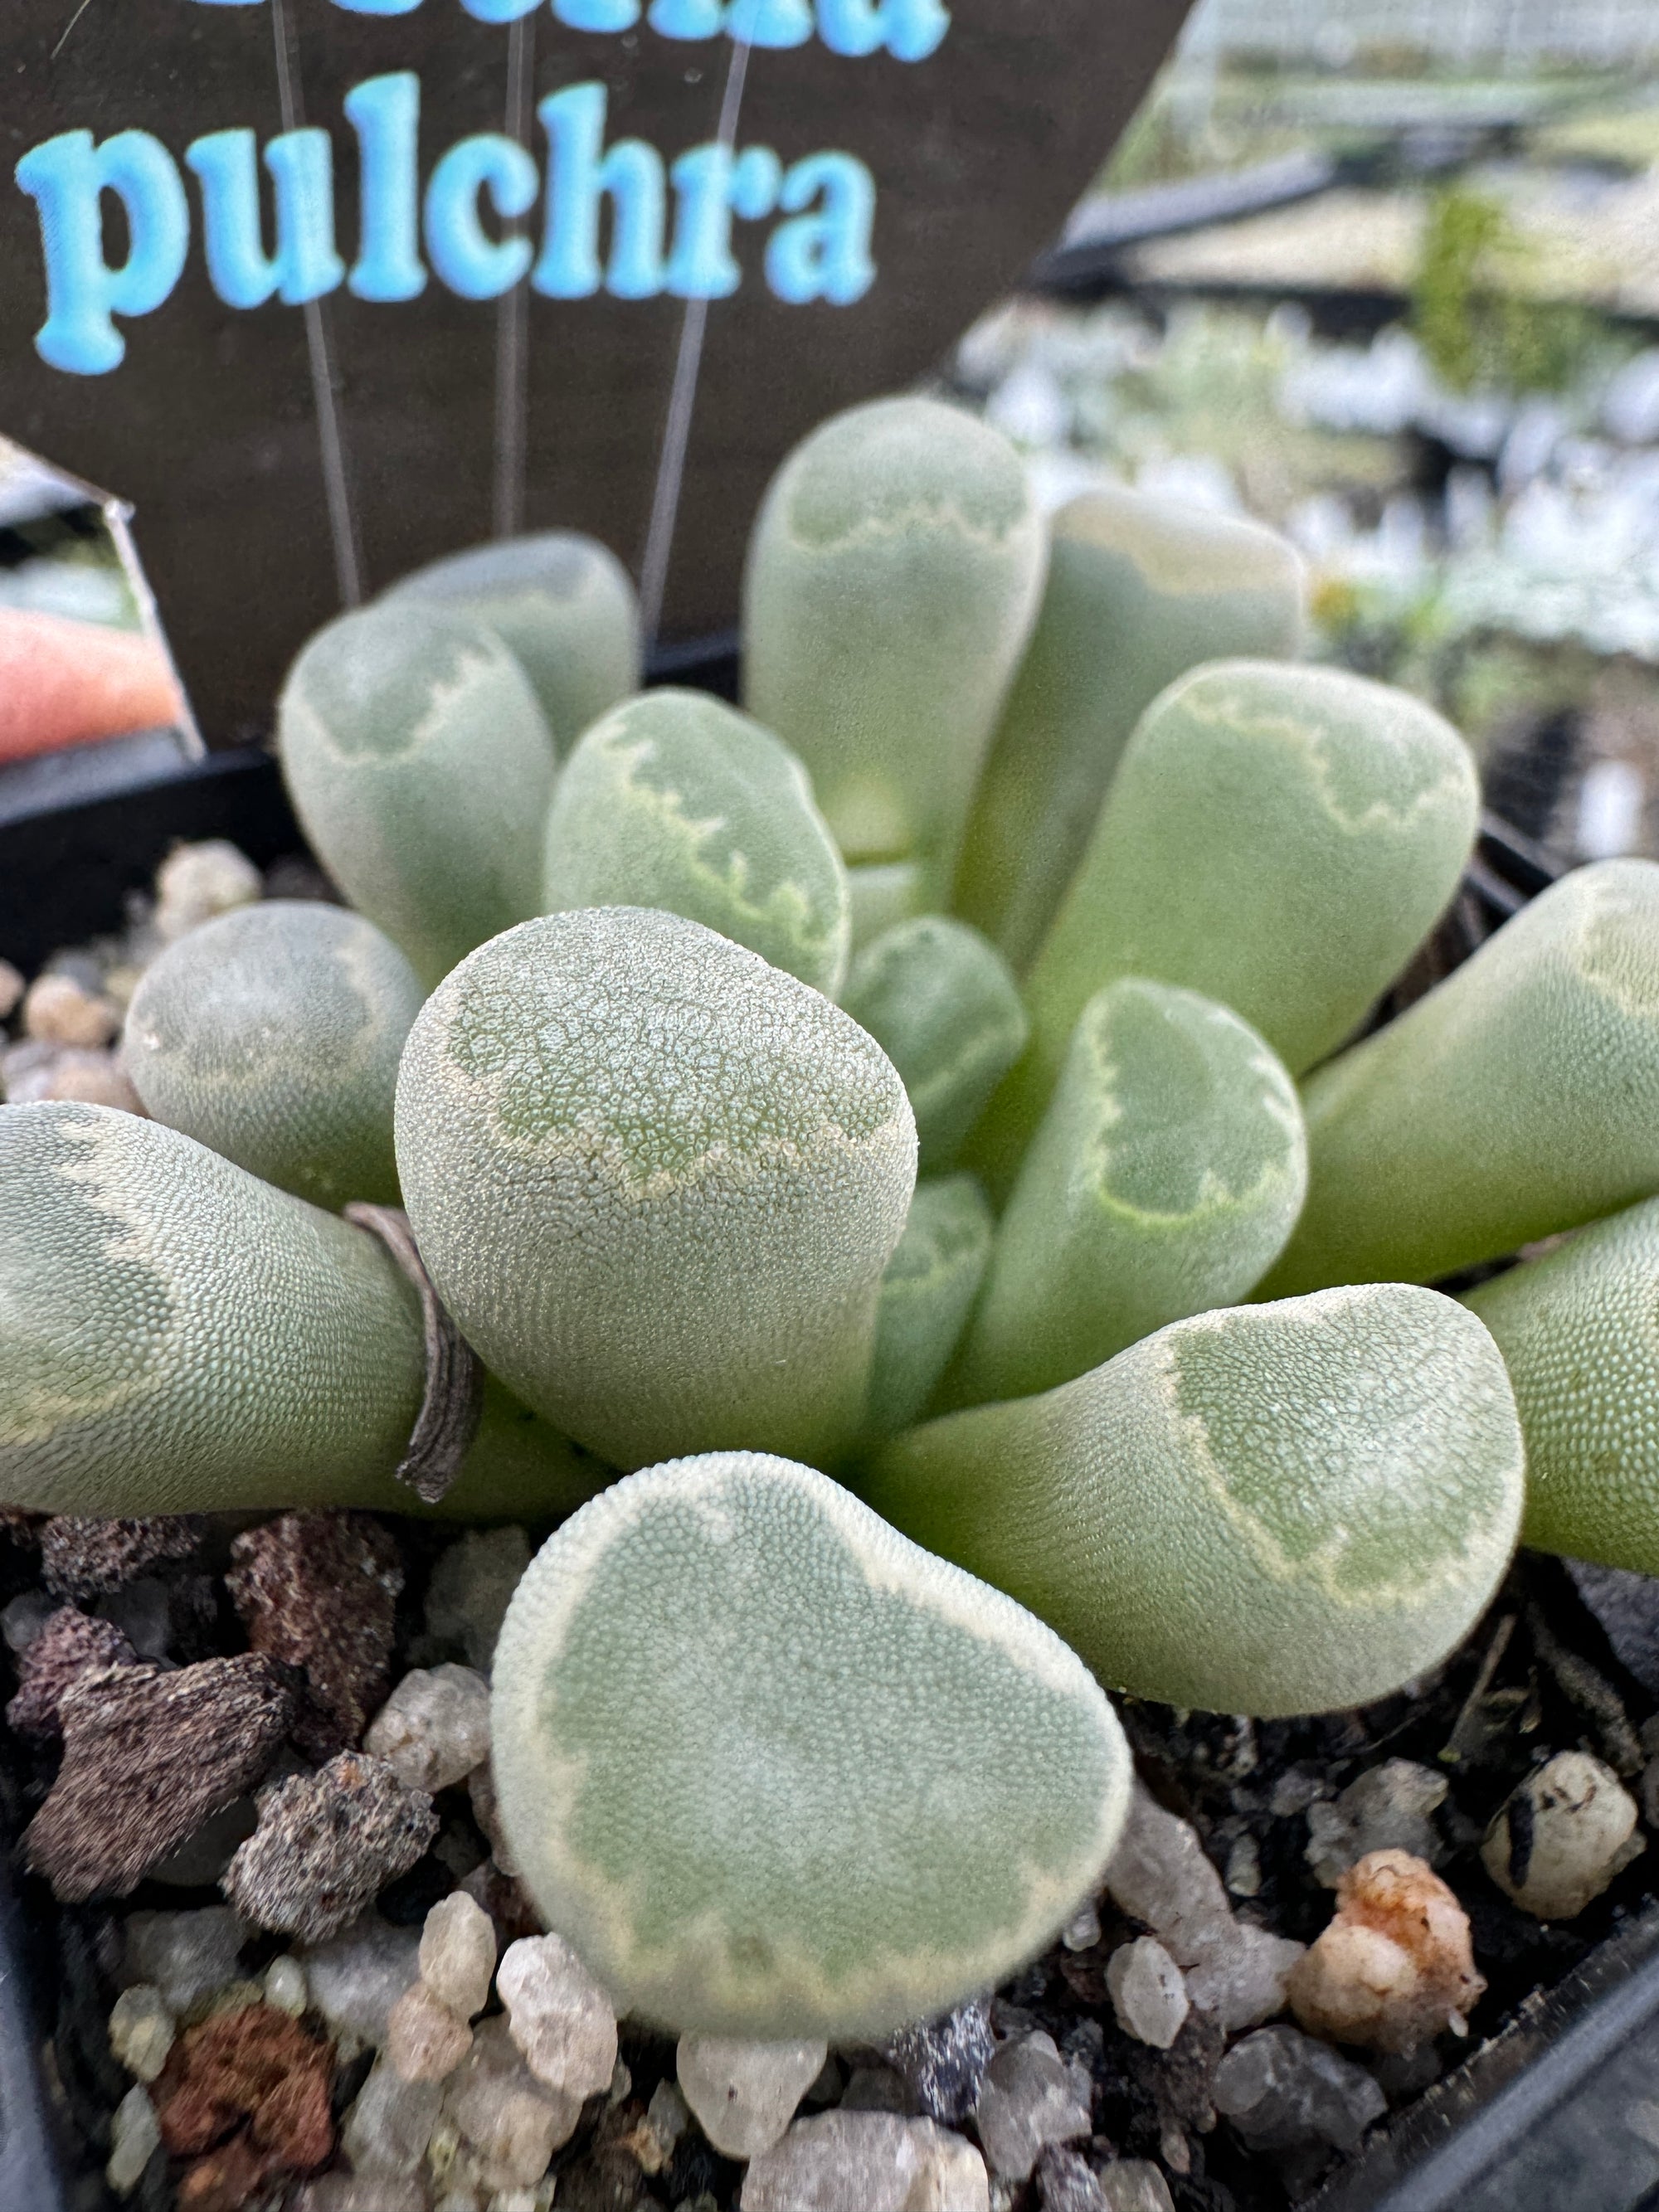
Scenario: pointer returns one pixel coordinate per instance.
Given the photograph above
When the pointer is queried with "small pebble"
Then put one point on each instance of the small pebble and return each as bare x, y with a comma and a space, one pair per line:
11, 990
1065, 2184
942, 2063
1082, 1931
142, 2027
57, 1009
85, 1078
83, 1558
877, 2089
1281, 2090
148, 1757
184, 1956
866, 2162
319, 1592
365, 2192
1244, 1866
425, 2041
135, 2136
196, 882
513, 2123
434, 1728
69, 1644
326, 1842
23, 1618
667, 2116
357, 1976
254, 2064
285, 1985
1563, 1836
561, 2020
1389, 1807
1031, 2098
1148, 1992
389, 2127
472, 1588
458, 1955
1394, 1968
744, 2095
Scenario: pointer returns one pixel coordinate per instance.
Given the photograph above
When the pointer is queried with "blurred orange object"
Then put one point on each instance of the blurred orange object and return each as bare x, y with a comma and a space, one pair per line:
71, 683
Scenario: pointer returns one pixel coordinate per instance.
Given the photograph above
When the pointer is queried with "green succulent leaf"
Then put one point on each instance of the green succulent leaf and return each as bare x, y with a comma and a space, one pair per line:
1280, 839
422, 770
273, 1035
1579, 1332
1519, 1097
1139, 589
881, 893
563, 604
657, 1181
739, 1867
893, 574
674, 800
926, 1295
1164, 1179
939, 999
1267, 1509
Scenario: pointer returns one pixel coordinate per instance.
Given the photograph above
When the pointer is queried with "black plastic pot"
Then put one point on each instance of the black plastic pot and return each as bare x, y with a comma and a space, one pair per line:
1558, 2113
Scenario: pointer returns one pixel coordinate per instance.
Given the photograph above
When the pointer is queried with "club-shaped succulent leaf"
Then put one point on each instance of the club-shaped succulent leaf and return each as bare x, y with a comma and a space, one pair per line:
565, 607
1268, 1510
674, 800
880, 894
421, 769
939, 1000
1279, 838
926, 1295
870, 1786
1164, 1180
273, 1035
893, 575
657, 1181
178, 1336
1139, 589
1520, 1097
1579, 1332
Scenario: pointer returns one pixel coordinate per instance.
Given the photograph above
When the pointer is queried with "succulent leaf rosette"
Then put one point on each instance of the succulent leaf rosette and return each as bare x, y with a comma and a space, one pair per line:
904, 1160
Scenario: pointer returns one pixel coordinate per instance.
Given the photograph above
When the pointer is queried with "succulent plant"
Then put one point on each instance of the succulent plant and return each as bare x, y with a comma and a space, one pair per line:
940, 1002
674, 800
893, 574
1277, 1509
657, 1182
1163, 1180
1280, 839
273, 1034
563, 604
1138, 591
177, 1334
926, 1294
422, 771
1579, 1328
1521, 1097
738, 1867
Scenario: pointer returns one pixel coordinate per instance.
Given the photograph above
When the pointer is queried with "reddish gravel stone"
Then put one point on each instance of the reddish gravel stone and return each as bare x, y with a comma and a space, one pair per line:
320, 1591
81, 1558
148, 1757
71, 1644
246, 2096
326, 1842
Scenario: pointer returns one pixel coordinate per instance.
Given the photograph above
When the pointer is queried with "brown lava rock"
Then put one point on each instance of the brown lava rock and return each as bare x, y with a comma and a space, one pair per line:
148, 1757
320, 1591
245, 2096
1395, 1967
326, 1842
81, 1558
71, 1644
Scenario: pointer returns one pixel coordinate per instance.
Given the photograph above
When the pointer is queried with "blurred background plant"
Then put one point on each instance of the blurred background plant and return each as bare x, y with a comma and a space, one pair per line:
1386, 274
